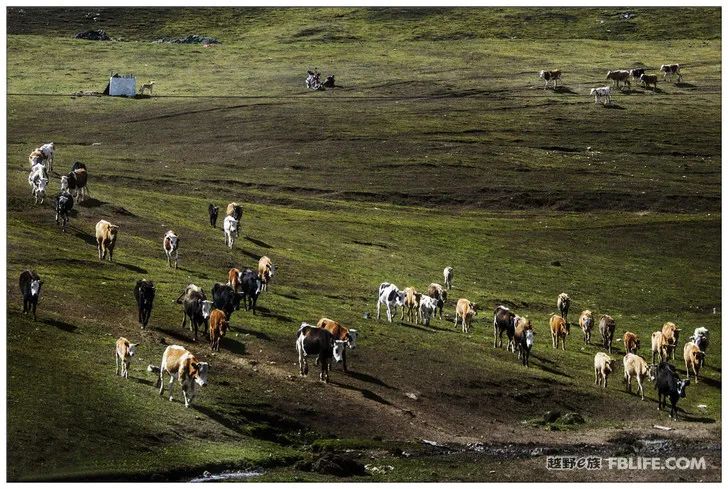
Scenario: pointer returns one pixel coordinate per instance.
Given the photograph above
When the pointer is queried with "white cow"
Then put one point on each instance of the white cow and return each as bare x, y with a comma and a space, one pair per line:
48, 150
230, 227
390, 296
170, 245
447, 274
428, 307
602, 93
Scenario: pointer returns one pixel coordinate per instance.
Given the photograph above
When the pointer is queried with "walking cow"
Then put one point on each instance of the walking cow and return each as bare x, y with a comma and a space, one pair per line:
170, 245
606, 328
106, 239
30, 284
64, 204
144, 295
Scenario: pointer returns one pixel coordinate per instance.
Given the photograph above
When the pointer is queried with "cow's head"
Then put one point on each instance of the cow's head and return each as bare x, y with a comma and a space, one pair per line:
206, 309
651, 372
611, 365
338, 350
270, 270
698, 356
637, 343
529, 338
399, 298
64, 183
132, 349
474, 308
198, 371
701, 342
351, 342
443, 296
681, 385
113, 230
224, 326
35, 287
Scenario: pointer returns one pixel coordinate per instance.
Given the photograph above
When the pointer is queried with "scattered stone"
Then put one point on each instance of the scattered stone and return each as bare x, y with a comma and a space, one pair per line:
383, 469
551, 416
573, 418
337, 465
588, 148
93, 35
556, 263
191, 39
206, 474
664, 428
411, 395
366, 315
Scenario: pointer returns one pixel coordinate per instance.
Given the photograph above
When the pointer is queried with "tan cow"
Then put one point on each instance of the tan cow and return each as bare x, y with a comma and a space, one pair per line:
340, 333
603, 366
559, 331
619, 76
124, 351
265, 271
659, 346
234, 277
465, 310
183, 366
693, 359
586, 323
411, 304
631, 342
106, 238
636, 367
672, 336
218, 327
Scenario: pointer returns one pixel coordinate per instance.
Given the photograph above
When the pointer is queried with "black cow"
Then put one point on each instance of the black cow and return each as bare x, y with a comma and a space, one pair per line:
64, 204
523, 339
196, 307
311, 340
144, 295
636, 73
212, 211
30, 284
669, 385
329, 82
504, 320
251, 286
226, 299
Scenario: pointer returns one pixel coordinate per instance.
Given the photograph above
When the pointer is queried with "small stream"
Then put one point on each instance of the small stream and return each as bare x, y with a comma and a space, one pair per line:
228, 476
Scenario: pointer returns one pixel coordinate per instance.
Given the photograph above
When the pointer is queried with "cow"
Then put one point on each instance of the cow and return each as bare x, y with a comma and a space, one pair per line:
411, 305
218, 327
606, 328
603, 366
700, 338
230, 228
265, 271
144, 294
235, 210
226, 299
36, 157
439, 293
106, 234
447, 275
212, 211
631, 342
465, 310
586, 323
659, 346
235, 278
39, 189
672, 336
251, 287
342, 333
64, 204
427, 309
170, 245
391, 297
563, 302
183, 366
123, 353
504, 320
523, 338
48, 150
636, 73
693, 359
636, 367
196, 307
669, 385
548, 76
30, 284
619, 76
317, 341
648, 80
603, 94
670, 70
76, 180
559, 331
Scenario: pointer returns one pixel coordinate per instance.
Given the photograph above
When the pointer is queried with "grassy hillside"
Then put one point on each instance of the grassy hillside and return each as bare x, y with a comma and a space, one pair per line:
440, 148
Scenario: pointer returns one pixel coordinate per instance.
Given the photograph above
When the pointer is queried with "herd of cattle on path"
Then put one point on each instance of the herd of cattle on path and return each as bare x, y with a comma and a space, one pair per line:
329, 340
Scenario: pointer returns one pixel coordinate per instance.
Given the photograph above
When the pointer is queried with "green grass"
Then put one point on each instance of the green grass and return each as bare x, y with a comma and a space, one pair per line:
441, 148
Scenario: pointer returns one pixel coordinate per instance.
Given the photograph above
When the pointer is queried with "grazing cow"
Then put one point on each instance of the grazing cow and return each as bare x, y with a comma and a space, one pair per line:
631, 342
235, 210
659, 346
251, 286
106, 238
672, 336
411, 304
77, 180
636, 73
559, 331
586, 323
648, 80
439, 293
447, 274
64, 204
317, 341
428, 308
465, 310
606, 328
48, 150
636, 367
144, 295
603, 366
30, 284
504, 320
670, 70
548, 76
218, 327
183, 366
603, 94
230, 228
669, 385
170, 244
226, 299
265, 271
563, 302
313, 80
523, 337
619, 76
196, 307
235, 279
693, 359
212, 211
391, 297
342, 333
124, 351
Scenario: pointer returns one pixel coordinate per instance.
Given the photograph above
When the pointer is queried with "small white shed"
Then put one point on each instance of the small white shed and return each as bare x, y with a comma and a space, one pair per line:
122, 85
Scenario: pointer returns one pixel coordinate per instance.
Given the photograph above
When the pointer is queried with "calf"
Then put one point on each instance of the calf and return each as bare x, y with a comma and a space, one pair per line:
183, 366
196, 307
670, 70
523, 338
659, 346
563, 302
170, 245
30, 284
391, 297
235, 278
265, 272
465, 310
64, 204
636, 367
636, 73
339, 332
603, 366
218, 327
438, 292
225, 298
212, 211
559, 331
317, 341
411, 304
693, 359
648, 80
447, 275
672, 336
700, 338
144, 295
603, 94
106, 238
428, 308
606, 328
504, 320
123, 354
586, 322
548, 76
631, 342
251, 288
669, 385
619, 76
230, 228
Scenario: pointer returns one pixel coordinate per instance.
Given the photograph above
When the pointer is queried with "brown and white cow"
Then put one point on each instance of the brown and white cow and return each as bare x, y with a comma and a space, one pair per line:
693, 359
439, 293
672, 335
465, 310
183, 366
548, 76
340, 333
559, 331
235, 279
311, 341
218, 327
123, 353
523, 337
265, 272
170, 244
106, 238
619, 76
411, 305
631, 342
603, 367
670, 70
586, 323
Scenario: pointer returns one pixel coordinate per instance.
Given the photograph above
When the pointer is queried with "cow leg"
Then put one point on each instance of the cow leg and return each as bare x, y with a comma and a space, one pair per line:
343, 359
389, 313
184, 320
378, 309
35, 304
116, 358
641, 390
596, 376
171, 385
563, 343
184, 395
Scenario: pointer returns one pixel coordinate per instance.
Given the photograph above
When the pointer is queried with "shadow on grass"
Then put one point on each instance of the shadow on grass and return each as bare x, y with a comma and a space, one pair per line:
543, 365
414, 326
258, 242
86, 237
133, 268
69, 328
564, 89
258, 334
366, 393
614, 106
685, 85
266, 312
140, 380
215, 416
251, 255
91, 202
368, 378
176, 335
233, 346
